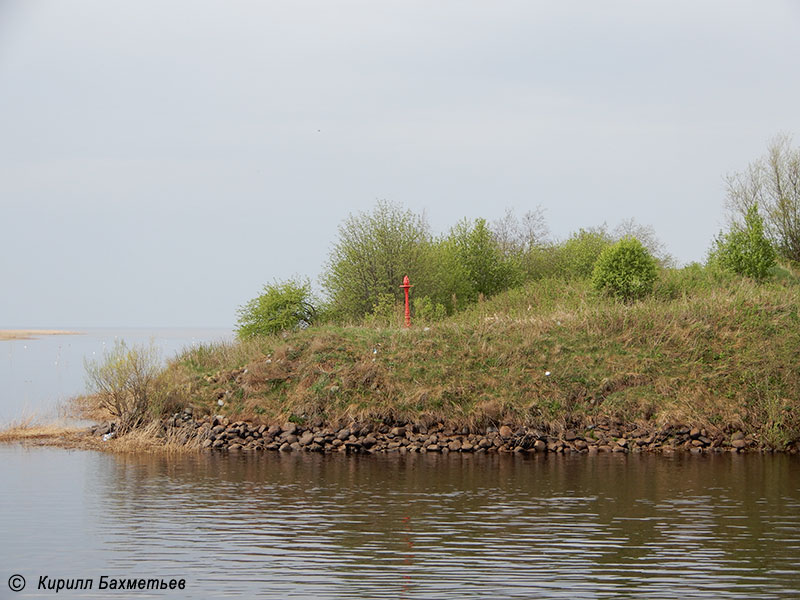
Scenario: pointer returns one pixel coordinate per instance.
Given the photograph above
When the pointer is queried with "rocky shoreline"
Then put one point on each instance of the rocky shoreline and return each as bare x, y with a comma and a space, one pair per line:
219, 433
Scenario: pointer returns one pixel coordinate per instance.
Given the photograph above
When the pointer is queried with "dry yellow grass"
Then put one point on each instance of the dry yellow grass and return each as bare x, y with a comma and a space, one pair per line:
30, 334
30, 431
149, 439
145, 439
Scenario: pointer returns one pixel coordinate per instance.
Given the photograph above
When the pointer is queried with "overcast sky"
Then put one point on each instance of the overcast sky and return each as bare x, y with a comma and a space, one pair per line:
161, 160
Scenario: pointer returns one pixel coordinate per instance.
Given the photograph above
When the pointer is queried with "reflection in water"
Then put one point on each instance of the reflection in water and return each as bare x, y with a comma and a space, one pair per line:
299, 526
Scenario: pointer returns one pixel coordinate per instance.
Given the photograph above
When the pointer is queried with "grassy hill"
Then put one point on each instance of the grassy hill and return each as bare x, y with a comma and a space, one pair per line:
706, 350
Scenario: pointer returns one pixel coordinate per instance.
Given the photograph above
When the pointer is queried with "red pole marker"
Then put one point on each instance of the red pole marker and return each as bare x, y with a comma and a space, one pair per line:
406, 286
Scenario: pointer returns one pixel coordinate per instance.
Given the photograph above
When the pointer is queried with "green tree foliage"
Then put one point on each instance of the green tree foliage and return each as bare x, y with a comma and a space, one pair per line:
577, 256
442, 278
428, 311
487, 270
773, 183
625, 270
281, 306
385, 312
745, 249
374, 252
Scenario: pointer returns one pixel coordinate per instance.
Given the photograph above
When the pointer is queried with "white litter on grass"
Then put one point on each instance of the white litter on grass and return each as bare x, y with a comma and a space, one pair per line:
221, 402
108, 436
547, 373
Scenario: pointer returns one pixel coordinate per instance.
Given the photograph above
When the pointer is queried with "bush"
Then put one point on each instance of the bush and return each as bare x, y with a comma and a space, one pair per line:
578, 255
646, 234
543, 262
625, 270
385, 312
281, 307
374, 252
745, 249
442, 277
673, 284
428, 311
124, 382
488, 271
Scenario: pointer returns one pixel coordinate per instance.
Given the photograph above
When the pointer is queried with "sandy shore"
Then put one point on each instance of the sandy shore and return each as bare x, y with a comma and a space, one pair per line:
29, 334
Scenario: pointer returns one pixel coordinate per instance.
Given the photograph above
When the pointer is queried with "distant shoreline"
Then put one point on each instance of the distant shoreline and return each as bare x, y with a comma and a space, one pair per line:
30, 334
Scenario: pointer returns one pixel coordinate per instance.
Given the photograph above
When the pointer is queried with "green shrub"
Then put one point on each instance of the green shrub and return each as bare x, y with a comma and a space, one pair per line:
577, 256
673, 284
784, 274
542, 262
745, 250
281, 307
488, 271
625, 270
385, 312
428, 311
124, 382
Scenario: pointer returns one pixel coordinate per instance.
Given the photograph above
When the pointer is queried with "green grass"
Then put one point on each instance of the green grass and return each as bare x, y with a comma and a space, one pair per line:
706, 349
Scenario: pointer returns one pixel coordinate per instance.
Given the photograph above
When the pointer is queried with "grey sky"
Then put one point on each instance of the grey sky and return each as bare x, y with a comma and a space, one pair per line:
161, 160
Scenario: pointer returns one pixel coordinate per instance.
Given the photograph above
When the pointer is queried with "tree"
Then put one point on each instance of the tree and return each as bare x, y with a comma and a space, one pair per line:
745, 249
518, 236
443, 278
281, 306
625, 269
773, 183
487, 270
374, 252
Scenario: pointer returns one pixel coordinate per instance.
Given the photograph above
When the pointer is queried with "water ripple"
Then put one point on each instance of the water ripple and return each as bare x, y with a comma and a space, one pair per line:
295, 526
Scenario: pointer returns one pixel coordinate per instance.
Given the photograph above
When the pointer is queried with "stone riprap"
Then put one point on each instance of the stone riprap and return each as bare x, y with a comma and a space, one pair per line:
222, 434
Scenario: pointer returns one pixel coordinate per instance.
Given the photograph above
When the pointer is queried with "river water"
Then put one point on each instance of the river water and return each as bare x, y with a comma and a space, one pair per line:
417, 526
